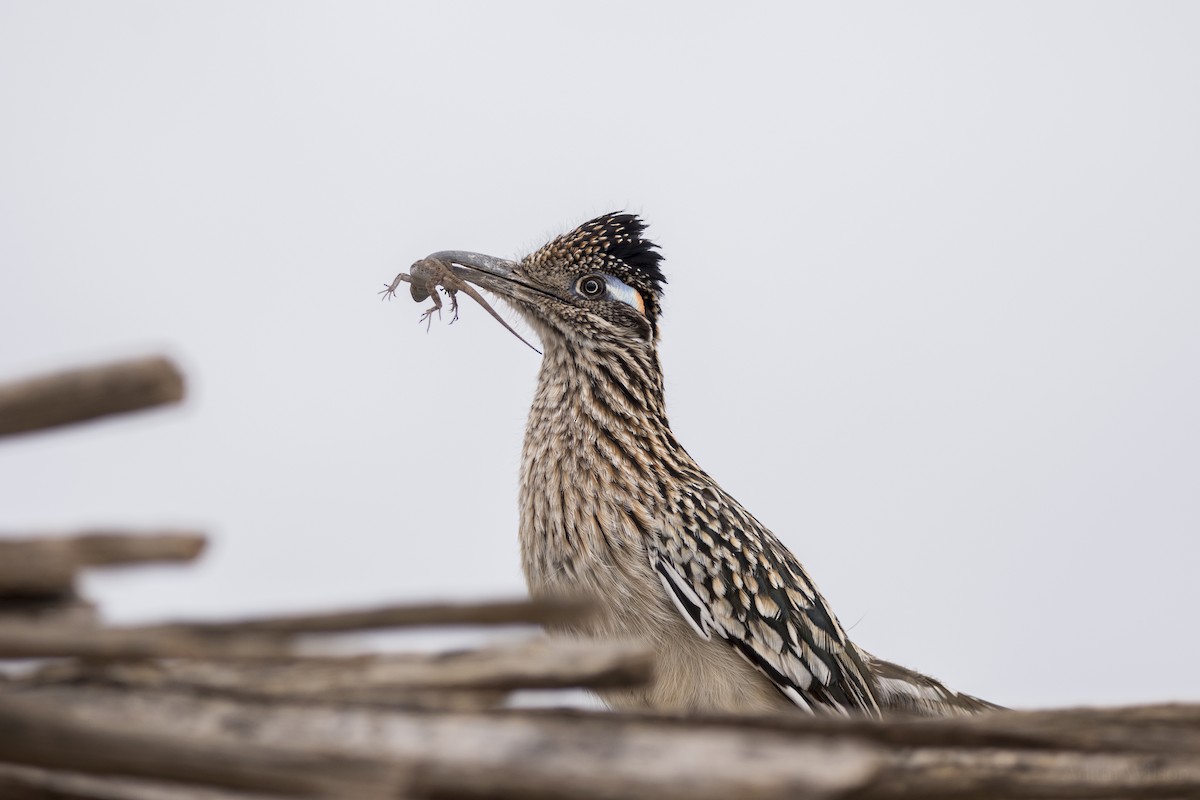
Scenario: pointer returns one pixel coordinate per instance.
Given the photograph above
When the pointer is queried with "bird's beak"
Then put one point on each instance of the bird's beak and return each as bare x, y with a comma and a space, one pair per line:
498, 275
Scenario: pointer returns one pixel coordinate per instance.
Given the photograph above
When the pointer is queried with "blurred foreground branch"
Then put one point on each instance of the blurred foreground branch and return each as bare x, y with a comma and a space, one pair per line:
382, 679
76, 395
265, 637
410, 615
602, 756
34, 735
49, 565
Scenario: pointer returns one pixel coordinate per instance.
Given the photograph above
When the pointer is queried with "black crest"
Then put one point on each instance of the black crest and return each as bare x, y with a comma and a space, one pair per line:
620, 236
615, 238
614, 244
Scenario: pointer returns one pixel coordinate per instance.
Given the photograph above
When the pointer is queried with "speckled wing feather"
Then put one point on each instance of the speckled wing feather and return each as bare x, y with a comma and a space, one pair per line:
732, 579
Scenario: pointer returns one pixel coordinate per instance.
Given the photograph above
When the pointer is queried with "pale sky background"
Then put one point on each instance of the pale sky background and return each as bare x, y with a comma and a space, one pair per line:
933, 312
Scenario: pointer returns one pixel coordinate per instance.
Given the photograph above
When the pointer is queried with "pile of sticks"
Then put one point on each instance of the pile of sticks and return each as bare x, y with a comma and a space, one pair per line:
257, 707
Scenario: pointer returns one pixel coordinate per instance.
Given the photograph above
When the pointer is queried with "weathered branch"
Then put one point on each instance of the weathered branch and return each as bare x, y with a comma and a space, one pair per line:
32, 783
264, 637
1146, 729
1080, 753
48, 565
605, 756
31, 640
35, 735
57, 610
480, 755
81, 394
951, 774
514, 612
381, 679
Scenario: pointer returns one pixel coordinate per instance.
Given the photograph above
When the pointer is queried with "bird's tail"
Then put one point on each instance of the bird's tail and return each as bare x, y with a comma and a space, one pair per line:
902, 690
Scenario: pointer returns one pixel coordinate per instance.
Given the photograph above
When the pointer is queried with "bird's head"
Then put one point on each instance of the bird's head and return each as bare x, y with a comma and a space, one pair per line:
600, 283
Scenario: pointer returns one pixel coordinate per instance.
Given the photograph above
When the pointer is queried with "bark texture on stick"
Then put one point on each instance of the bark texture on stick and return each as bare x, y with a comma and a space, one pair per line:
34, 735
1167, 728
32, 640
48, 565
86, 393
505, 756
381, 679
503, 612
266, 637
952, 774
606, 756
32, 783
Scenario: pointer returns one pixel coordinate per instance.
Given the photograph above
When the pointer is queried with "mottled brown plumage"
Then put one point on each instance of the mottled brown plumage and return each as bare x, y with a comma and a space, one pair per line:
612, 505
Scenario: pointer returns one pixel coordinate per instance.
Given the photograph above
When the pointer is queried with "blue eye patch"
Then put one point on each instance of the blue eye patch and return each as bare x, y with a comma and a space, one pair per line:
619, 290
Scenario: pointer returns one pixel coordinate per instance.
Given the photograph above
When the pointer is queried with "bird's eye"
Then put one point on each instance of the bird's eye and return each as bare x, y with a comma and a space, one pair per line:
597, 287
591, 286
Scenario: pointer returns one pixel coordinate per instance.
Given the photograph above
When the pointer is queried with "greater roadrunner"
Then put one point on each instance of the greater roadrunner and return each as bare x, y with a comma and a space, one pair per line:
613, 506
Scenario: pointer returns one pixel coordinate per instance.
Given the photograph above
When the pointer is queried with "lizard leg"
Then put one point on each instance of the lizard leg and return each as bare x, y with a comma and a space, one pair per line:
452, 293
427, 317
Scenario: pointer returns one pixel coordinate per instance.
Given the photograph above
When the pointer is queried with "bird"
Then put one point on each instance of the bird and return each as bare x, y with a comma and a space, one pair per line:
612, 506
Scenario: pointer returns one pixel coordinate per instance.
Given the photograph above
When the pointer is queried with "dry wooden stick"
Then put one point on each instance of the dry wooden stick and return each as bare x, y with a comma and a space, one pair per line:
35, 735
81, 394
607, 756
40, 640
34, 783
56, 610
506, 612
1146, 729
267, 637
486, 756
386, 679
428, 274
48, 565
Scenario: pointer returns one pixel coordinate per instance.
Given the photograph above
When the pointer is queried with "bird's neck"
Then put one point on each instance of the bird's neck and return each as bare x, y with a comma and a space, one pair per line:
592, 472
597, 412
599, 385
